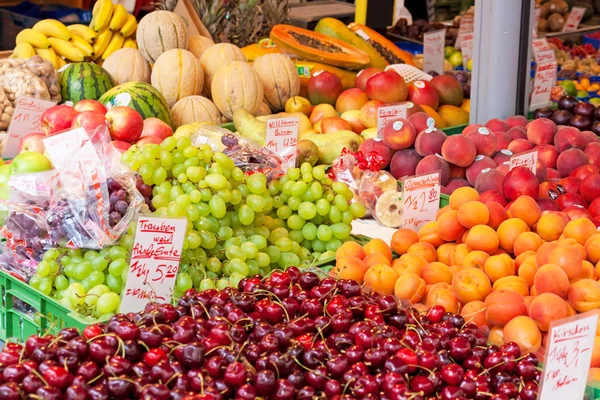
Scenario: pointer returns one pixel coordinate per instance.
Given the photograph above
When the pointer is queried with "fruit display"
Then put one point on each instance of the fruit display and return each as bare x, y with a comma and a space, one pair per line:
416, 30
573, 112
554, 14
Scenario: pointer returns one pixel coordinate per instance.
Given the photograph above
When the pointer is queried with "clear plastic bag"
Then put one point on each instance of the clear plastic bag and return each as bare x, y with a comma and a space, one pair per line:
19, 82
350, 167
380, 194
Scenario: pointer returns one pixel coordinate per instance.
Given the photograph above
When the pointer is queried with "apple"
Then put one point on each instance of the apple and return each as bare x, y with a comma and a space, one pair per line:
89, 120
156, 127
334, 124
90, 105
148, 140
57, 118
121, 145
4, 174
125, 124
30, 161
32, 142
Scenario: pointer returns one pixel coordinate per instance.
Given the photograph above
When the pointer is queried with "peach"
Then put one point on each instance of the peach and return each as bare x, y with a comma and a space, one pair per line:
485, 141
378, 147
399, 134
351, 99
493, 196
569, 160
541, 171
502, 156
322, 111
386, 86
457, 172
585, 170
568, 200
547, 154
504, 167
516, 120
363, 76
428, 143
541, 131
404, 163
496, 124
570, 184
471, 128
523, 331
520, 146
589, 137
551, 278
368, 113
413, 108
471, 284
480, 164
503, 306
576, 212
459, 150
517, 132
594, 207
455, 183
520, 181
590, 187
420, 121
502, 140
584, 295
568, 137
592, 152
489, 179
433, 163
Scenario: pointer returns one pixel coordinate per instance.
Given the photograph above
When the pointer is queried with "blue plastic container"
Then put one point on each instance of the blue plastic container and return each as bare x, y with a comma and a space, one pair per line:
587, 39
413, 48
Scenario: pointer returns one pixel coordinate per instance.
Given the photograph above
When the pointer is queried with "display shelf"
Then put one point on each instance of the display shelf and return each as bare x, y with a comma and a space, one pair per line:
582, 29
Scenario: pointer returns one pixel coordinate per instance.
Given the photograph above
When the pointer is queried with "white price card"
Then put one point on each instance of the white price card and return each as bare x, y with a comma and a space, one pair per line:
26, 119
540, 46
154, 262
575, 17
568, 357
545, 76
527, 159
467, 25
60, 147
536, 21
433, 51
388, 113
282, 139
421, 197
466, 44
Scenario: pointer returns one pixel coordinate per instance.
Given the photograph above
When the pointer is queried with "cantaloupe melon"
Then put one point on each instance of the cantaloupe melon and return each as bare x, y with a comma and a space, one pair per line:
127, 65
237, 85
215, 57
160, 31
279, 77
195, 109
264, 109
198, 44
177, 74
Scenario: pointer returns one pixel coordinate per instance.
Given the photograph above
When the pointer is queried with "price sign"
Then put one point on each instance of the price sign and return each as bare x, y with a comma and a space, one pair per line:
541, 47
25, 120
572, 23
536, 21
466, 26
433, 51
388, 113
527, 159
282, 139
154, 262
466, 44
60, 147
421, 196
568, 357
545, 76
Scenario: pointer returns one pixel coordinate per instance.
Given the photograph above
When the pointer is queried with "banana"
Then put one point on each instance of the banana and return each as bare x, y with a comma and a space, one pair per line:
116, 43
129, 42
23, 50
83, 45
101, 14
102, 42
60, 62
83, 31
34, 38
66, 49
53, 28
130, 26
119, 17
48, 54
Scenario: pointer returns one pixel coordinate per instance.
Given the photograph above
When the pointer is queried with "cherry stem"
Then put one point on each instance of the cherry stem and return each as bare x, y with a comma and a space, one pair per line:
35, 372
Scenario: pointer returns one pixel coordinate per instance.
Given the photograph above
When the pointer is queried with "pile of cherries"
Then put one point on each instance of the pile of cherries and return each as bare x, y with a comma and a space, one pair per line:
288, 336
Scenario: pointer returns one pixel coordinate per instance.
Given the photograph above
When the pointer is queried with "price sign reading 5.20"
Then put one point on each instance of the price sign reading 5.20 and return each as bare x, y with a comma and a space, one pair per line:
421, 195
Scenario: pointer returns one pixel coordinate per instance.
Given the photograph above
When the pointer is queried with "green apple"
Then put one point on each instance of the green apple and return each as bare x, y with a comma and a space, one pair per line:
4, 174
30, 161
448, 50
456, 59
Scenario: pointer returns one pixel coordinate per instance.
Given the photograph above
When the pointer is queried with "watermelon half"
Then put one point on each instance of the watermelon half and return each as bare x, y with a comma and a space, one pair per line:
83, 81
140, 96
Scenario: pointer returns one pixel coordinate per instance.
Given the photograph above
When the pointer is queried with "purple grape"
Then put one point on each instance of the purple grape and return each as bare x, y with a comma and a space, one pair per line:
113, 185
145, 190
121, 207
229, 140
118, 195
113, 218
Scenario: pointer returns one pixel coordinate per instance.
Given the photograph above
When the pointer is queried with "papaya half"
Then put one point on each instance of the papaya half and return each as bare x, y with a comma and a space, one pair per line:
315, 46
255, 50
392, 53
337, 29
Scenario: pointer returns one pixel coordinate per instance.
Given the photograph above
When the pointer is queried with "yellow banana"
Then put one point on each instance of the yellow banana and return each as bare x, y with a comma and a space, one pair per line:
23, 50
34, 38
119, 17
116, 43
47, 54
129, 42
66, 49
60, 62
83, 45
83, 31
102, 42
130, 26
53, 28
101, 14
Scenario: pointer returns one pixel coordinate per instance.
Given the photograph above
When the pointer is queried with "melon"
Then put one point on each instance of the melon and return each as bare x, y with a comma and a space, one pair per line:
217, 56
237, 85
127, 65
279, 77
160, 31
177, 74
264, 109
198, 44
194, 109
83, 81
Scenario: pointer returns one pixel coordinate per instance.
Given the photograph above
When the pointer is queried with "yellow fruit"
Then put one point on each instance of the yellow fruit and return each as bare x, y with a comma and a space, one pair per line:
23, 50
279, 77
53, 28
160, 31
453, 116
34, 38
194, 109
237, 86
127, 65
176, 74
215, 57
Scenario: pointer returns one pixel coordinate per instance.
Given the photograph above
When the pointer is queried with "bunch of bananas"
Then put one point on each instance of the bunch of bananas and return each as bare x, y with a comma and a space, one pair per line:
111, 29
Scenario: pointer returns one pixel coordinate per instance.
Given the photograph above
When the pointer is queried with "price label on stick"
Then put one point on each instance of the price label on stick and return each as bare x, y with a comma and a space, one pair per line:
568, 357
575, 17
527, 160
545, 76
433, 51
466, 44
25, 120
282, 139
467, 24
388, 113
541, 46
421, 196
154, 262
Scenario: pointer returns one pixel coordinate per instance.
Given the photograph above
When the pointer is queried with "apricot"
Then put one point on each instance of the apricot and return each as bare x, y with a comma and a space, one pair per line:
512, 283
528, 300
444, 298
592, 248
428, 233
497, 214
459, 253
444, 253
503, 305
474, 313
350, 249
527, 241
378, 246
436, 272
375, 259
461, 196
580, 229
499, 266
596, 353
568, 258
473, 213
471, 284
475, 259
520, 259
409, 286
584, 295
525, 332
525, 208
542, 256
414, 262
496, 336
424, 249
551, 225
439, 285
588, 271
349, 267
547, 307
551, 278
483, 238
527, 270
402, 239
381, 278
509, 231
448, 228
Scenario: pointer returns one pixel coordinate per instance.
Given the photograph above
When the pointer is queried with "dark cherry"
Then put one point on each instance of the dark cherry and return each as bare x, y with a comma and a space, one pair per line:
265, 382
49, 393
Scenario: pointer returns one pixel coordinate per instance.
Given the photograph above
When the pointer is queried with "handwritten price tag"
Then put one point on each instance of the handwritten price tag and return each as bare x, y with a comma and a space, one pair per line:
154, 262
467, 25
421, 195
540, 46
25, 120
388, 113
60, 147
466, 44
536, 21
568, 357
282, 139
545, 76
527, 160
433, 51
574, 19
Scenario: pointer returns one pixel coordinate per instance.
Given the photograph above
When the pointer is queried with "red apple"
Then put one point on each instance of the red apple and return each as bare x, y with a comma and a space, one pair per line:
121, 145
32, 142
90, 105
89, 120
149, 139
156, 127
363, 76
125, 123
324, 87
57, 118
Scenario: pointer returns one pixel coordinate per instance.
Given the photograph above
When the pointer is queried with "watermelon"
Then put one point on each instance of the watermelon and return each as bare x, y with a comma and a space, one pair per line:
142, 97
83, 81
